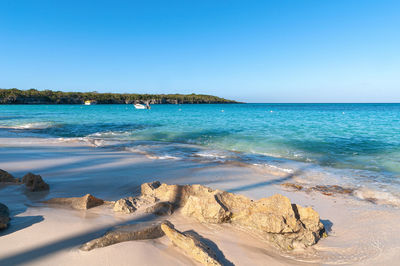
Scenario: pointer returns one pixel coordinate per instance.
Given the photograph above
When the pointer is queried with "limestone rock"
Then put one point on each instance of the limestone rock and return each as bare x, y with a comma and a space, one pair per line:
191, 246
175, 194
160, 208
6, 177
4, 216
272, 215
308, 217
285, 224
34, 182
124, 205
131, 204
83, 203
206, 209
147, 230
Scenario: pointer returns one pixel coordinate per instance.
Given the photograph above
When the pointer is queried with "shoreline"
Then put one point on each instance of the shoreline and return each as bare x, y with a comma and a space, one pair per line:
74, 169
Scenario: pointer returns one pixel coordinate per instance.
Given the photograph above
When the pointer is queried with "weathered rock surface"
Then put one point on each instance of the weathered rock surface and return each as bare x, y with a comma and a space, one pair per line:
6, 177
206, 208
175, 194
4, 216
160, 208
83, 203
124, 205
34, 182
131, 204
190, 245
285, 224
146, 230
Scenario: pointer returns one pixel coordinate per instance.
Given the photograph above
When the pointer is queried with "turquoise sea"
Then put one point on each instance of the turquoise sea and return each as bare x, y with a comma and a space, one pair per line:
354, 145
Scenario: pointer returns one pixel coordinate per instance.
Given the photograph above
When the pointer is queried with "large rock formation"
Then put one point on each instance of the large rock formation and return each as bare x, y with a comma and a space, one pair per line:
83, 203
191, 246
34, 182
4, 216
285, 224
6, 177
146, 230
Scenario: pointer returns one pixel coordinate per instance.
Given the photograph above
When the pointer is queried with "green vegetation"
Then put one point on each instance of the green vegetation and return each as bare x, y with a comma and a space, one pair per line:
33, 96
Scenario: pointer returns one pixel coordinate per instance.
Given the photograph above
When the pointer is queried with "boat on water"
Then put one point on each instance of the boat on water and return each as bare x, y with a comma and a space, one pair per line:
89, 102
141, 106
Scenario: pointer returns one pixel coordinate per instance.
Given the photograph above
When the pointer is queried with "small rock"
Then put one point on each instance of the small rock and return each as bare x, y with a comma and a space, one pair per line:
191, 246
147, 230
34, 182
6, 177
124, 205
160, 208
4, 216
83, 203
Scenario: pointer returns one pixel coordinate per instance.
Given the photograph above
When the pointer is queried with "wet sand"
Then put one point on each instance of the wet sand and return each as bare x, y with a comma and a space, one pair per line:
360, 232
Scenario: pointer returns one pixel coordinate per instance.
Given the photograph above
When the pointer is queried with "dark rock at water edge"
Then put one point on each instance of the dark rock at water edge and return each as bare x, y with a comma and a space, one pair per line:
6, 177
34, 182
4, 216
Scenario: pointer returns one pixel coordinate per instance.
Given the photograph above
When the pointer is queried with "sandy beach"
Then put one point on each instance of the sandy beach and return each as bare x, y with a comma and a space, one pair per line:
213, 133
359, 232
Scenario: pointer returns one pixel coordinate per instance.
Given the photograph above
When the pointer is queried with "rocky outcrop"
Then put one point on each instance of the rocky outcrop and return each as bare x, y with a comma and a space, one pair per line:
34, 182
147, 230
4, 216
160, 208
83, 203
131, 204
285, 224
124, 205
6, 177
190, 245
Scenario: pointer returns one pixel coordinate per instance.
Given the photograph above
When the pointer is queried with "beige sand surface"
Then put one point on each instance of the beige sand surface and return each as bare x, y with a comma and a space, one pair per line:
359, 231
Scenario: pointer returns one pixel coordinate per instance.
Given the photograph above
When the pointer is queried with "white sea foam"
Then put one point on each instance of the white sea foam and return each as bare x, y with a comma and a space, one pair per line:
110, 134
34, 125
274, 167
378, 197
162, 157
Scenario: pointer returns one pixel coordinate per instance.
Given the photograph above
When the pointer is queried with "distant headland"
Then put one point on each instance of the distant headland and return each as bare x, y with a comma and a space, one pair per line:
33, 96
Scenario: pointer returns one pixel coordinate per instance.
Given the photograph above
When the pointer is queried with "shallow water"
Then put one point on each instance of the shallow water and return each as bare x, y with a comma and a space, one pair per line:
355, 145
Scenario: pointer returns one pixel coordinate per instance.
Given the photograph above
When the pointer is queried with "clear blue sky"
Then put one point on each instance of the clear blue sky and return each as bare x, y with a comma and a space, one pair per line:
254, 51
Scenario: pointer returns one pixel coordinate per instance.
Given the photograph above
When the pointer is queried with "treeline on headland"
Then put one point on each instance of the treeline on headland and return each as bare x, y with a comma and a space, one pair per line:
33, 96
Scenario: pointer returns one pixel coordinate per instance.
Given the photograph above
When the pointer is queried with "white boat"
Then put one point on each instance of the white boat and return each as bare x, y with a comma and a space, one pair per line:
88, 102
139, 106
